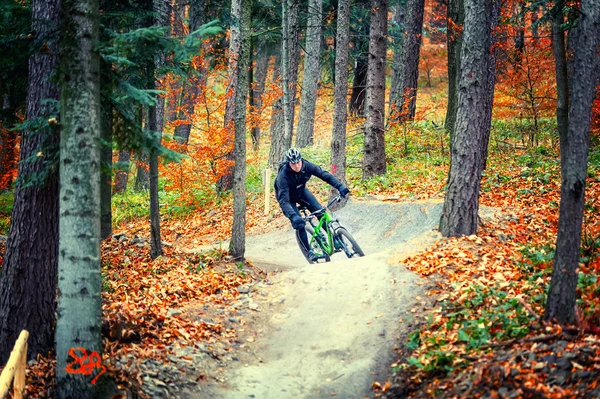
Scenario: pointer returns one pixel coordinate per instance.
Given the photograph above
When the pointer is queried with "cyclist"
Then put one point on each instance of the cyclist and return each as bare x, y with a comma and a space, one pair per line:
290, 189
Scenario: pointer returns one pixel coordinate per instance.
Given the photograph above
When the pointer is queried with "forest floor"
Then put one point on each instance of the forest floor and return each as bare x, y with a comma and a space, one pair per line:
445, 318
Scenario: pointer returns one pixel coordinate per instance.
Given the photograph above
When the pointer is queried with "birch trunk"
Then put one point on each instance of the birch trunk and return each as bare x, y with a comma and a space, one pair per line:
79, 300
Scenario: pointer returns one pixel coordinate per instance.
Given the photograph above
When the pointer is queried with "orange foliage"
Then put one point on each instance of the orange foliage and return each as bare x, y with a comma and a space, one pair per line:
524, 88
8, 157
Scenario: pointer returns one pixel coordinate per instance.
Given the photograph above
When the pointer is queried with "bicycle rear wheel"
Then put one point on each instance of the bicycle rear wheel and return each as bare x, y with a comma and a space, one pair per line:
315, 243
348, 243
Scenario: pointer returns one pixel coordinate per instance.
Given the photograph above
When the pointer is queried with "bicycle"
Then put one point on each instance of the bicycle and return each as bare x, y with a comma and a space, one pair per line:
326, 235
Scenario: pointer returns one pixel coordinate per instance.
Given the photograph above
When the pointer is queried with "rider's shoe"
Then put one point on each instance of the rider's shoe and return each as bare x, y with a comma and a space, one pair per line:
312, 257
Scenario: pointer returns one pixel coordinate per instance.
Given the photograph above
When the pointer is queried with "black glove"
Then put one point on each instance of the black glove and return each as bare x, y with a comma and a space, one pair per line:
344, 192
297, 222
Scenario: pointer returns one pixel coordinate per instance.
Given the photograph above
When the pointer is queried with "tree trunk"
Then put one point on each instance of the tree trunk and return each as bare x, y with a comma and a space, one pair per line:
397, 33
312, 73
193, 86
359, 84
278, 147
374, 162
562, 295
79, 301
122, 173
456, 17
155, 127
461, 203
404, 105
106, 155
28, 283
142, 176
258, 88
289, 65
226, 180
340, 95
494, 16
237, 245
560, 62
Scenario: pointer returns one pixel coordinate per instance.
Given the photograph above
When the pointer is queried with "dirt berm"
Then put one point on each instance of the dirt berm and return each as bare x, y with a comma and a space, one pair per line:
329, 329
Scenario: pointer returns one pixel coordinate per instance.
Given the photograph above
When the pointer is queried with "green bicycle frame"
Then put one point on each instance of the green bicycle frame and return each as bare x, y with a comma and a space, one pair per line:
325, 242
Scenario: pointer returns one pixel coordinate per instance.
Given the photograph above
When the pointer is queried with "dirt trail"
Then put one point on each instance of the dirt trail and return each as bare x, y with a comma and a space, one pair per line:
328, 329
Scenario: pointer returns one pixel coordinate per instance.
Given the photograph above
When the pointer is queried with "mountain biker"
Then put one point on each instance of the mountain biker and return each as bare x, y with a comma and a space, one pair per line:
290, 189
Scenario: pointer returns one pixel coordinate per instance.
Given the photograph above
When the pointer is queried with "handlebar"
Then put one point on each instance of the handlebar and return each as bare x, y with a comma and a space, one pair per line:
317, 212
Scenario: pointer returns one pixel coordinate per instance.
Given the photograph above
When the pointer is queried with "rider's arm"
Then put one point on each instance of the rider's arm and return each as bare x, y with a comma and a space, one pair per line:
324, 175
283, 197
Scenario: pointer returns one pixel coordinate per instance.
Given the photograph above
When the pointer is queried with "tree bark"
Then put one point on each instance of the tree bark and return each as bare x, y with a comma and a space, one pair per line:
289, 65
461, 203
340, 96
560, 62
278, 147
106, 155
258, 87
28, 283
397, 33
494, 16
79, 300
122, 173
312, 73
359, 86
359, 52
237, 245
142, 176
155, 127
456, 17
562, 296
195, 84
226, 180
374, 162
404, 105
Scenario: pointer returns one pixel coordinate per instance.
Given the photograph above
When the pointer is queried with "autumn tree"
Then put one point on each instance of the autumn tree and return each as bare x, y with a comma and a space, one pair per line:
396, 32
455, 20
258, 77
574, 146
312, 71
15, 25
79, 300
237, 246
226, 180
282, 126
374, 162
156, 119
461, 202
359, 55
408, 71
193, 82
340, 111
28, 283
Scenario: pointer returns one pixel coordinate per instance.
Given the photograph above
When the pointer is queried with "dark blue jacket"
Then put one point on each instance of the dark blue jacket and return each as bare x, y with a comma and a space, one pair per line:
290, 185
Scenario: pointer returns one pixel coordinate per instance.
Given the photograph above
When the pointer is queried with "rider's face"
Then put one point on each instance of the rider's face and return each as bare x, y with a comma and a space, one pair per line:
296, 166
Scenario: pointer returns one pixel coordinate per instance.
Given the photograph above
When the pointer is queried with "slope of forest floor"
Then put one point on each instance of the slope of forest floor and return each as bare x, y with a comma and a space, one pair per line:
482, 335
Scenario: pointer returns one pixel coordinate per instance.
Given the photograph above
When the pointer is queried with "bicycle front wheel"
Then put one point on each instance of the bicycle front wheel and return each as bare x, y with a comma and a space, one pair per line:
348, 243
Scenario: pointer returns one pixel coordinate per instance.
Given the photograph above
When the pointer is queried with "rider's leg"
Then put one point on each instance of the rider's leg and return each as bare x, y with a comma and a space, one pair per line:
301, 233
303, 237
308, 200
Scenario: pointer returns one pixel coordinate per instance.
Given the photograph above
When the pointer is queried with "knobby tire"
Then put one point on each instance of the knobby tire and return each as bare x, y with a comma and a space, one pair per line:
345, 237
